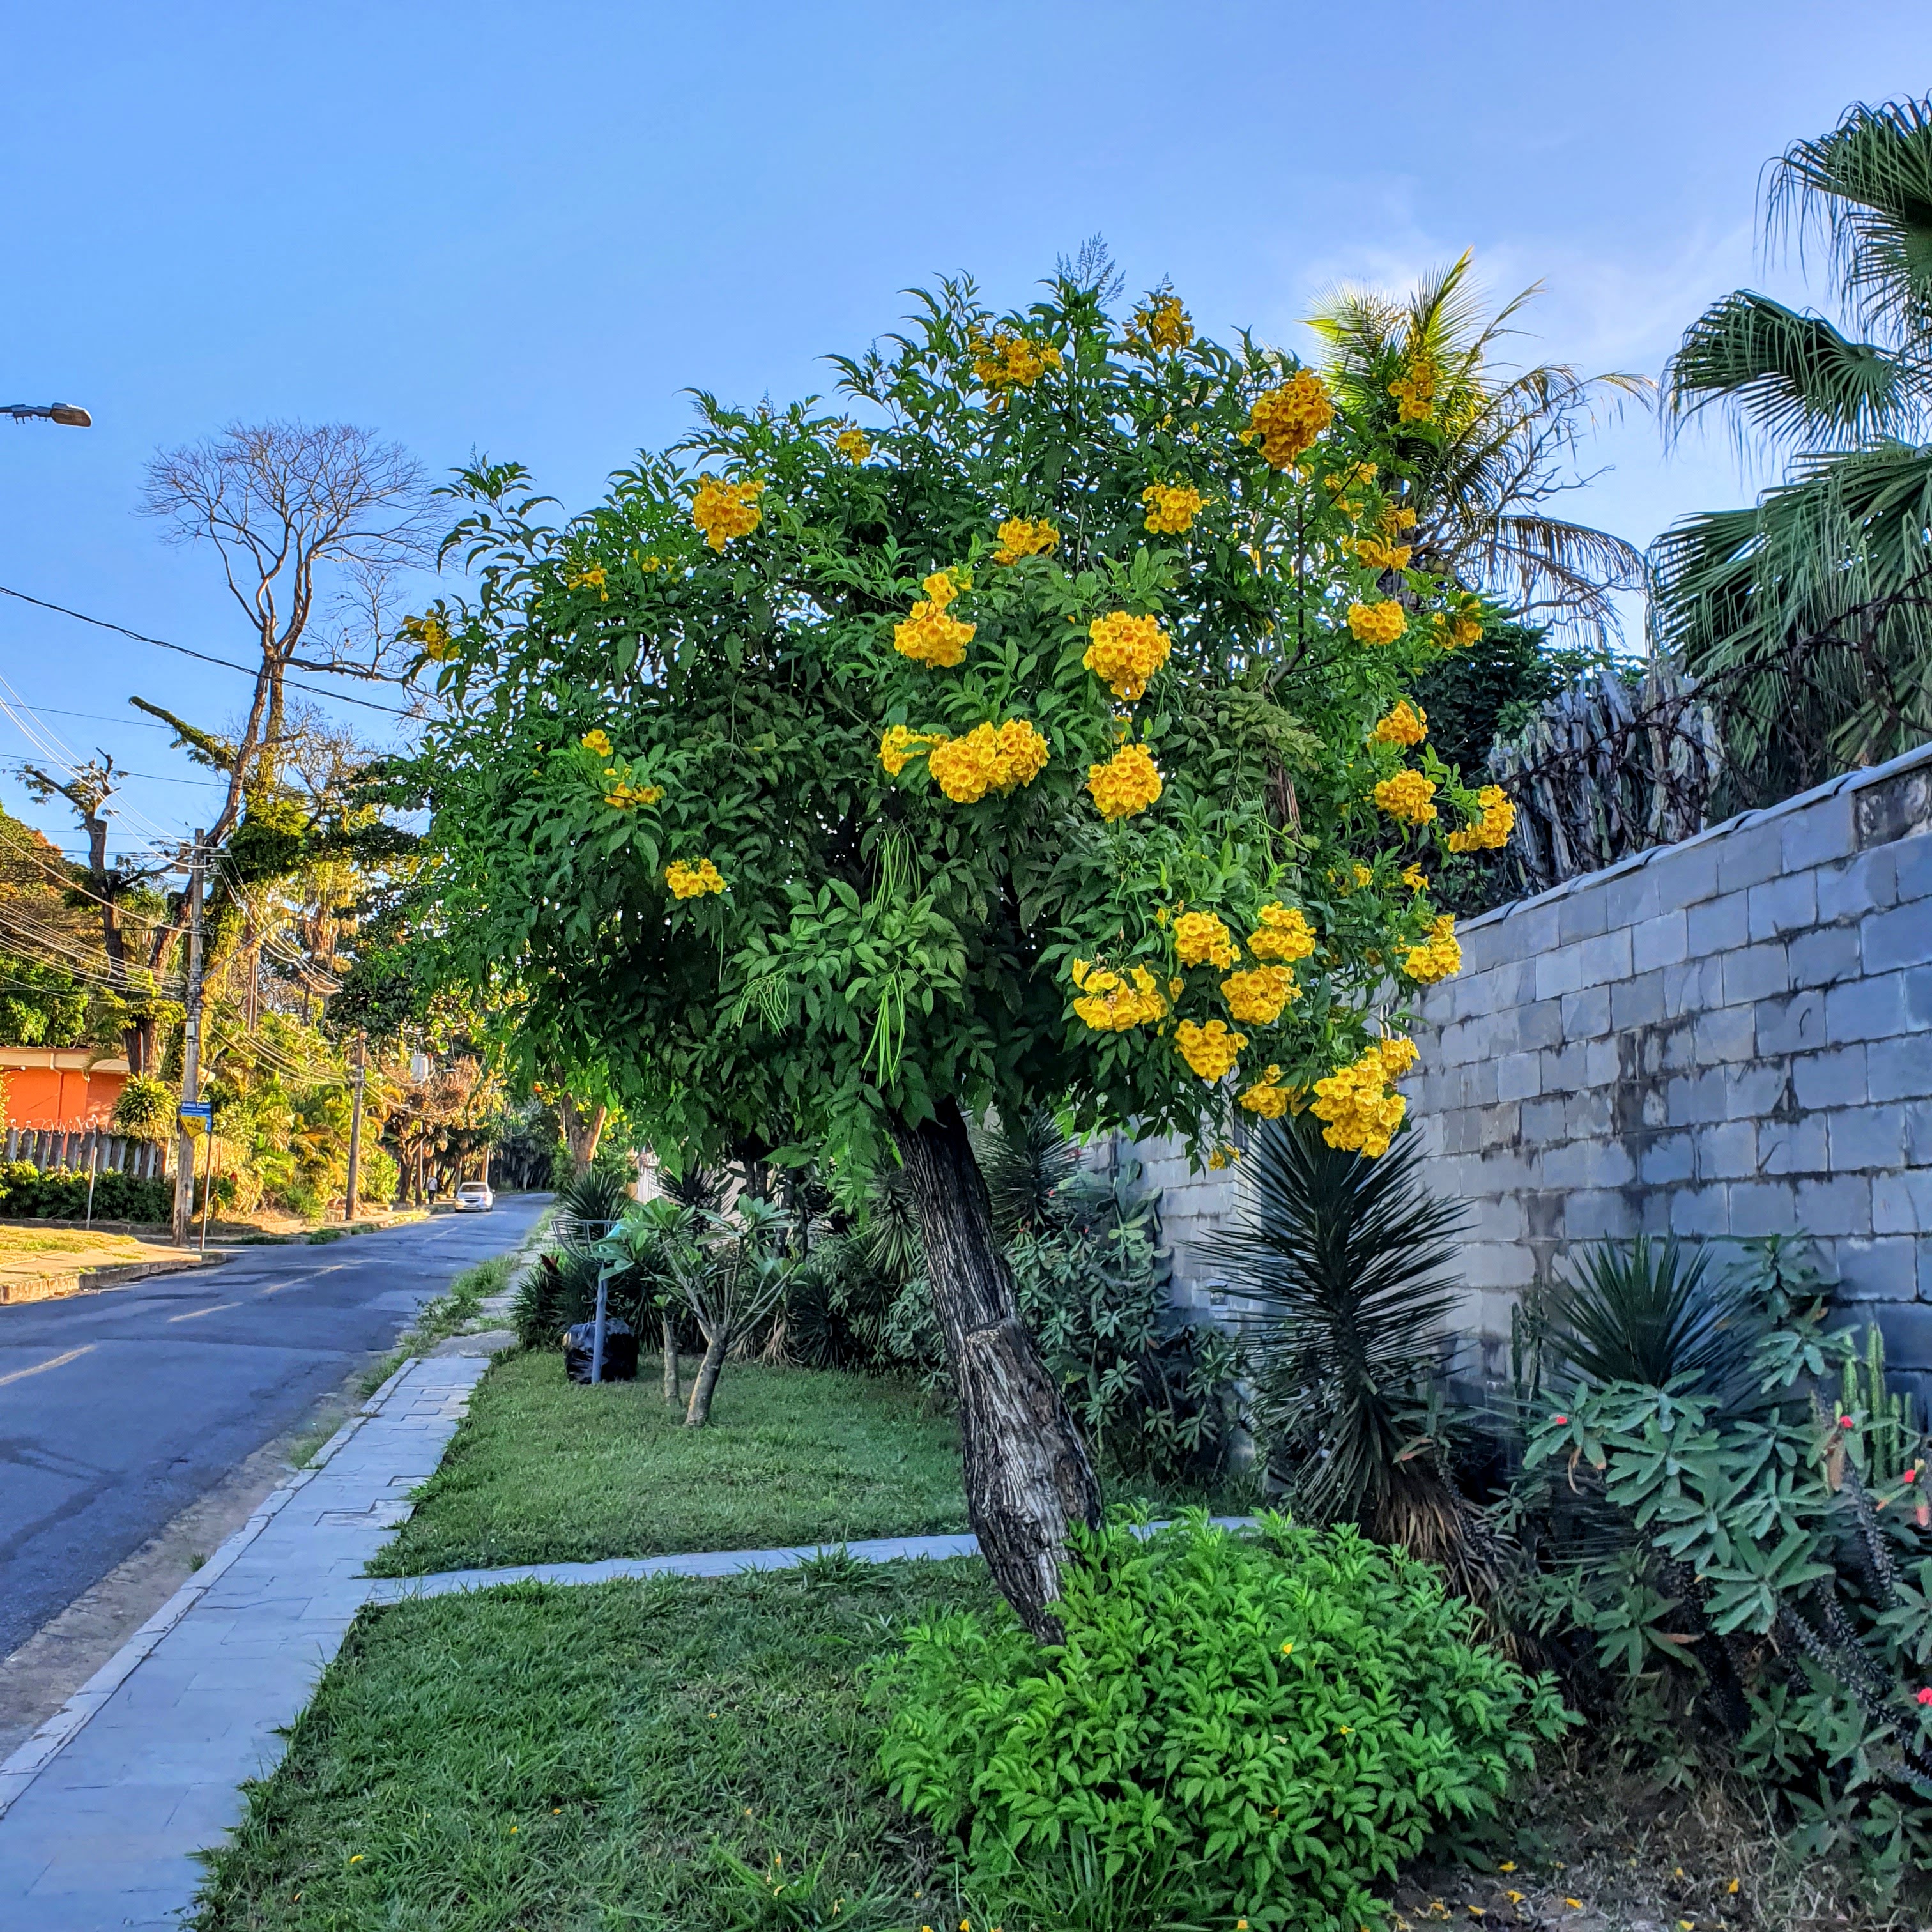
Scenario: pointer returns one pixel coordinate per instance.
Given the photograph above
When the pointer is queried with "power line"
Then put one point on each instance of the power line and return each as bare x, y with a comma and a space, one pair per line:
141, 637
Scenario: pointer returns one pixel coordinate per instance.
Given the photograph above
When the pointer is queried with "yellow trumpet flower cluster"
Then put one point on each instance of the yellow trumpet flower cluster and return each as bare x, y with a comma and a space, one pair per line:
1005, 360
1283, 934
1114, 1002
1415, 391
1288, 422
432, 635
595, 579
1407, 724
1409, 795
1174, 507
1354, 1104
1378, 623
1268, 1097
1210, 1050
723, 510
689, 881
1437, 957
987, 758
929, 636
1129, 782
854, 443
1019, 537
1125, 652
1258, 995
1200, 939
1162, 323
1492, 828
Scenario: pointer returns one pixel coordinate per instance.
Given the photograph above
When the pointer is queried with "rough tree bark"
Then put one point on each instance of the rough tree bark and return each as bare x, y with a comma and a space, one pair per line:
673, 1388
699, 1412
1027, 1474
582, 1128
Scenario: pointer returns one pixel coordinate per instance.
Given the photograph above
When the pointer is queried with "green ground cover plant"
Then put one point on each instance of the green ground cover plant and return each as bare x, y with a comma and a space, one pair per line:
544, 1471
1255, 1727
548, 1757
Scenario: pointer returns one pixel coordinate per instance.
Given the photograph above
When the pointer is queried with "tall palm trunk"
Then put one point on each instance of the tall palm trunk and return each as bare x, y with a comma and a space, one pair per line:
1027, 1474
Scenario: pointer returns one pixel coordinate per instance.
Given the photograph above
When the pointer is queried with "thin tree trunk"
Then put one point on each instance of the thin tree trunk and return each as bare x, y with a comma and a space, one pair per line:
1027, 1474
673, 1384
699, 1413
582, 1129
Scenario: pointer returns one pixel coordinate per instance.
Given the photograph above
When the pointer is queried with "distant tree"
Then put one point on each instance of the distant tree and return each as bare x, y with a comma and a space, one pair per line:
1813, 605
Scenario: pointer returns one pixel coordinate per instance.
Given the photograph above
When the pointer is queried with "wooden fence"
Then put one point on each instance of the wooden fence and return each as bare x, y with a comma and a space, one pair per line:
75, 1149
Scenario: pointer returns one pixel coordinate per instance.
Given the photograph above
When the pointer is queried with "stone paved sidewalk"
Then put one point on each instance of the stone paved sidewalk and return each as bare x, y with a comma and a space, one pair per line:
102, 1810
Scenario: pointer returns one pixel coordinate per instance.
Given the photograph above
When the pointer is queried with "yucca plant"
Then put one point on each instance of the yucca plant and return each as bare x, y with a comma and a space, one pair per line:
1812, 607
1350, 1260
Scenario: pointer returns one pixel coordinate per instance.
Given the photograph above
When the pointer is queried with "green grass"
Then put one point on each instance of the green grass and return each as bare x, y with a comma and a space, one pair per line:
548, 1758
543, 1470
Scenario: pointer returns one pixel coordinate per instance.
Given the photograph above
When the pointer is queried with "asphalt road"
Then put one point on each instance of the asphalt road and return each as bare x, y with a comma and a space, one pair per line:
120, 1409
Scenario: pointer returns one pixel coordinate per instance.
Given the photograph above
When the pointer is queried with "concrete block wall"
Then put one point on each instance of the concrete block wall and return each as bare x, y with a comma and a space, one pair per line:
1726, 1037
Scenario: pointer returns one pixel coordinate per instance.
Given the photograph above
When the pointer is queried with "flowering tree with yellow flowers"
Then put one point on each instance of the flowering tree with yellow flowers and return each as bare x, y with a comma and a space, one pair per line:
1031, 729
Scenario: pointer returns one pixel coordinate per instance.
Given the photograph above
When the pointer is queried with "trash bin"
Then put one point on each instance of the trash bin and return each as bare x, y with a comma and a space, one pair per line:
620, 1351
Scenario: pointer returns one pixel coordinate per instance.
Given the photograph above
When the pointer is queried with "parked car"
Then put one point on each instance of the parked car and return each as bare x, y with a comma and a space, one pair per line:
473, 1197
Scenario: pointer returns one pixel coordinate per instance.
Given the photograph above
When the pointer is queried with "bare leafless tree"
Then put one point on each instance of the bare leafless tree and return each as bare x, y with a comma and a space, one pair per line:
311, 522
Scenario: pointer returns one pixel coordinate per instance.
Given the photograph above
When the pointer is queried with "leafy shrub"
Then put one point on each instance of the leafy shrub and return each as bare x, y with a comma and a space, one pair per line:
1258, 1726
60, 1194
377, 1176
302, 1198
556, 1290
1759, 1566
145, 1107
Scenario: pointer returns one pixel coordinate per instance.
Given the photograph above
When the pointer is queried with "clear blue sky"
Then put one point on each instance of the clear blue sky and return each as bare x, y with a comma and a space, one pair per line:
526, 229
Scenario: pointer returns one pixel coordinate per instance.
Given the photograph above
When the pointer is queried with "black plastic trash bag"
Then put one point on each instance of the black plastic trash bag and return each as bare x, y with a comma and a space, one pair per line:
620, 1351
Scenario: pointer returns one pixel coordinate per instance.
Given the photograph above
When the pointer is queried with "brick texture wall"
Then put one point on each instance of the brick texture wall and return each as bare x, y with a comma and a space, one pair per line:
1726, 1037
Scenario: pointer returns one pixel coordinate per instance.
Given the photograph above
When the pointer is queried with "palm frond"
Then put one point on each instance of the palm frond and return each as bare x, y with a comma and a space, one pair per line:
1786, 377
1866, 188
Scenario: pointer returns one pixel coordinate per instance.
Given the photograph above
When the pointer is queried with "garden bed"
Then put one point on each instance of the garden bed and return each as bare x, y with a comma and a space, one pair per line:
543, 1470
544, 1757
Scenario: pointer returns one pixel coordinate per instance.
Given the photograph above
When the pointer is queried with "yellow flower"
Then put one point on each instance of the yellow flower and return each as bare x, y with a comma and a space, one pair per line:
1175, 506
1125, 652
901, 744
1373, 554
1407, 724
1114, 1002
1490, 830
624, 795
689, 881
1161, 323
929, 636
1019, 538
652, 562
1355, 1103
1005, 360
1268, 1098
1413, 877
1415, 391
1409, 795
1258, 995
1283, 934
854, 443
1210, 1050
987, 759
596, 741
1127, 783
1378, 623
723, 510
1288, 420
1437, 957
1200, 939
592, 579
432, 635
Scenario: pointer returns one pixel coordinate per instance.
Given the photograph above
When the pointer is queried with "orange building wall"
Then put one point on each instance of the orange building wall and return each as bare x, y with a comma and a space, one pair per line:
60, 1095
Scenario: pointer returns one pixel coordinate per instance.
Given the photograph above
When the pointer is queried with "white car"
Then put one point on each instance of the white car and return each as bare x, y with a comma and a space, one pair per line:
473, 1197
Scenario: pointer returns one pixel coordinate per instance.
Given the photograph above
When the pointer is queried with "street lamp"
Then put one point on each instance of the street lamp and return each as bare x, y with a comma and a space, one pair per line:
72, 414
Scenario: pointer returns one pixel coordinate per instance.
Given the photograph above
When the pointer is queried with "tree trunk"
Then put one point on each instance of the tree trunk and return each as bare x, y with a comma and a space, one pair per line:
1027, 1474
582, 1127
673, 1388
699, 1413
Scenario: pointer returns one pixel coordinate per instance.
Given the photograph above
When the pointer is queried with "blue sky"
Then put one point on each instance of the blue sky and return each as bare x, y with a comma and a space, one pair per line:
527, 230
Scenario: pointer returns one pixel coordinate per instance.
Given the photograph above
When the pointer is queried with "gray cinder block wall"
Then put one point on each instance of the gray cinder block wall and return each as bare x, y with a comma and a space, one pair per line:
1726, 1037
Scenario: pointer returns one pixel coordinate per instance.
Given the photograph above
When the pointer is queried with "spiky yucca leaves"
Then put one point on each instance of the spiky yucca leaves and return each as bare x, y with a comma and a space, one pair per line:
1025, 1164
1493, 449
1814, 605
1351, 1259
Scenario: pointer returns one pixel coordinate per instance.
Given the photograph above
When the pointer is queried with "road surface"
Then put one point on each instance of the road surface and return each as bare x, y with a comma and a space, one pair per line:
118, 1409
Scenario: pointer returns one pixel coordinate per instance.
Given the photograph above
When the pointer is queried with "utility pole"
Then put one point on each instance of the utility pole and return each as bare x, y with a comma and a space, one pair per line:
191, 1054
359, 1075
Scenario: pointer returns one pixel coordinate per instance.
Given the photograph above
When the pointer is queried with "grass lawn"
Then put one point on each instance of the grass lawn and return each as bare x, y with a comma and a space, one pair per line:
547, 1758
545, 1471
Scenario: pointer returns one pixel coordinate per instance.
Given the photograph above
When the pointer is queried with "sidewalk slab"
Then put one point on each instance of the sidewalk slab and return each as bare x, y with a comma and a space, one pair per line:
102, 1810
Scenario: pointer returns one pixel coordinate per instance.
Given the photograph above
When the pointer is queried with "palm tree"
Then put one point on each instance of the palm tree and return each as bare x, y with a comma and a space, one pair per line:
1488, 447
1813, 605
